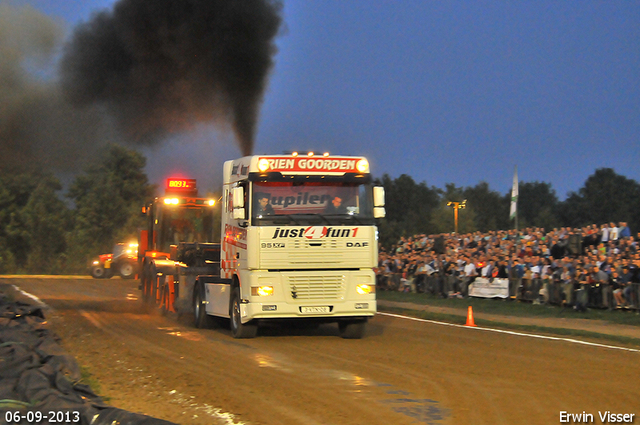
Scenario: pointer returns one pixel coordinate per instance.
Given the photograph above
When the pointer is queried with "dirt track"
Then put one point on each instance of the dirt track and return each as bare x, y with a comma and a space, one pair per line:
402, 372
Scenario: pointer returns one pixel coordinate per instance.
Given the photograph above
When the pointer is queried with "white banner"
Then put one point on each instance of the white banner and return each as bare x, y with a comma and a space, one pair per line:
514, 195
489, 288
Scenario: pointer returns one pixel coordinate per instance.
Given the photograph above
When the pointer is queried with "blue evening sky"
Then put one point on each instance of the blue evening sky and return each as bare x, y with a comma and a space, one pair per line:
444, 91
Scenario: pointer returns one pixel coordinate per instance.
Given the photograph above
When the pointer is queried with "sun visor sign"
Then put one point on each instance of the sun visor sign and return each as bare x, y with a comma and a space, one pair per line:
309, 164
315, 232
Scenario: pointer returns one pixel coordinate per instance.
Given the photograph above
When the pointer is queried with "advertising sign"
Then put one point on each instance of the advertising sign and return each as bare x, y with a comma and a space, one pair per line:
489, 288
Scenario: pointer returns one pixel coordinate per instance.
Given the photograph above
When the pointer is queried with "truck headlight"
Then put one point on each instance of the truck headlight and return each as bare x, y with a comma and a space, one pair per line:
262, 291
365, 289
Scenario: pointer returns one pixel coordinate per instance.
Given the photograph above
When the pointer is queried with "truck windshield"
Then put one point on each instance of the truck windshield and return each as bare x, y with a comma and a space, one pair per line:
184, 224
277, 203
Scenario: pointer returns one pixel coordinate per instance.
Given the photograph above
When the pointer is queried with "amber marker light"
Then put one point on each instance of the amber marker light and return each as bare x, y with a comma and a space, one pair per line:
211, 202
325, 154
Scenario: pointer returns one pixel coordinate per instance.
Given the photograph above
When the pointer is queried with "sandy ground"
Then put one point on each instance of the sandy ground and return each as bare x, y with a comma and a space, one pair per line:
402, 372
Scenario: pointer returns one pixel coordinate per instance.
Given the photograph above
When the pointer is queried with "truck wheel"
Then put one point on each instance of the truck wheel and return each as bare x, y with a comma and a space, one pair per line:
238, 329
201, 319
126, 270
352, 329
149, 279
98, 272
153, 286
144, 285
164, 299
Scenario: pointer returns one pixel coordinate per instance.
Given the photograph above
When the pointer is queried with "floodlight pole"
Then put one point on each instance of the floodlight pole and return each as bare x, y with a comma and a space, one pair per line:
456, 206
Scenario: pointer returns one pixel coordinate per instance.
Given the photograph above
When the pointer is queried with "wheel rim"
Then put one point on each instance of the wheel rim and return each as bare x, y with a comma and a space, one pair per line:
197, 306
126, 270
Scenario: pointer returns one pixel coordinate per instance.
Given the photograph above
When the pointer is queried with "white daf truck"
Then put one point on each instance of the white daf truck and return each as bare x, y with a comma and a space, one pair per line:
298, 241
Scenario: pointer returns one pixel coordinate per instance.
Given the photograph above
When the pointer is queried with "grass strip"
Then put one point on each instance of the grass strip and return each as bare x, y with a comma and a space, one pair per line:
548, 331
513, 308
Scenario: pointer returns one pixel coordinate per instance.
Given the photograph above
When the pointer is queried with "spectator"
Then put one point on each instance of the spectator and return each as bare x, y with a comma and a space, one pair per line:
554, 273
604, 232
613, 233
618, 290
624, 231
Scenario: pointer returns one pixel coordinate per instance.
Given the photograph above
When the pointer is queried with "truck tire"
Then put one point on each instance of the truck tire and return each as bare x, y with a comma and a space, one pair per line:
144, 285
149, 282
126, 270
238, 329
352, 329
201, 319
98, 272
153, 286
164, 299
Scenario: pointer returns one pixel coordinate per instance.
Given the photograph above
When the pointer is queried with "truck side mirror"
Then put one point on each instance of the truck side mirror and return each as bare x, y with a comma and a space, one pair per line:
238, 197
378, 202
238, 203
238, 213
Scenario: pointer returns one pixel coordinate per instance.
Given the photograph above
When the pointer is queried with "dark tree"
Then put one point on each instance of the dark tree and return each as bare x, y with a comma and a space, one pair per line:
108, 198
537, 205
32, 222
605, 197
47, 219
490, 208
408, 207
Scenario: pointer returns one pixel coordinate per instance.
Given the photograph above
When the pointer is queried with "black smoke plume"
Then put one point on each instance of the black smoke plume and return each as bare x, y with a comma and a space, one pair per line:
163, 66
38, 129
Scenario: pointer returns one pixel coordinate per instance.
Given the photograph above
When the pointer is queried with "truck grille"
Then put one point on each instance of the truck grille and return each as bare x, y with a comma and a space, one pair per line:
316, 287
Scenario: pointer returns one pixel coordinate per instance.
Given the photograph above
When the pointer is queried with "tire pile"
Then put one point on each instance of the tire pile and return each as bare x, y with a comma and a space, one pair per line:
40, 382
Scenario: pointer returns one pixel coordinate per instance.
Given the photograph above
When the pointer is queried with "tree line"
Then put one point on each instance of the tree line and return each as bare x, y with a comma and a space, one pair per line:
45, 231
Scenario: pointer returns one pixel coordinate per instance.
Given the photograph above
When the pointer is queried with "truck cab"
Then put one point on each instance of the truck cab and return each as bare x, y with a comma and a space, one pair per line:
299, 241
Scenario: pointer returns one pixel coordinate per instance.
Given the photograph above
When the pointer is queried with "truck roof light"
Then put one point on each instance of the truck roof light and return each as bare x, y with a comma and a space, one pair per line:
294, 153
310, 154
263, 165
325, 154
363, 165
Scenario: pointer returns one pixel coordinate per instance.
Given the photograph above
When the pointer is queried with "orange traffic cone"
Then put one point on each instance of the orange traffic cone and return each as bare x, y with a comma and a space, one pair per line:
470, 321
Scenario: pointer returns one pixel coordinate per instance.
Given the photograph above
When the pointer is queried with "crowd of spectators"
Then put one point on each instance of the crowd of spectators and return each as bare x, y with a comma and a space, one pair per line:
595, 266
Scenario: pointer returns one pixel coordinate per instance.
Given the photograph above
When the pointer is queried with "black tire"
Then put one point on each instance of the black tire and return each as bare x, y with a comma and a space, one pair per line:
127, 270
238, 329
352, 329
201, 319
164, 299
153, 286
144, 284
98, 272
149, 282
